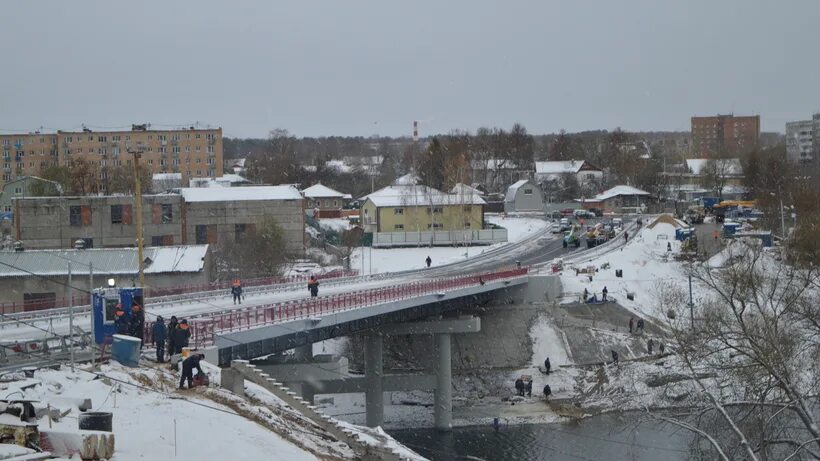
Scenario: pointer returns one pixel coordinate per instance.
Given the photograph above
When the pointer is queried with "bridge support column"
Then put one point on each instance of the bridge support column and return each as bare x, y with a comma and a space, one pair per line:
373, 372
303, 353
443, 406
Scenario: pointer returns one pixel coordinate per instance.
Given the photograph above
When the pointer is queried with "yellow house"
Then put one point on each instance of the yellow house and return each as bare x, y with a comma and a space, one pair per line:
415, 208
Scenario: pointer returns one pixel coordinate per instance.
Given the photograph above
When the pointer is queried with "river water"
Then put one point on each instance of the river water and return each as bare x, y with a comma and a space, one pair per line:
627, 436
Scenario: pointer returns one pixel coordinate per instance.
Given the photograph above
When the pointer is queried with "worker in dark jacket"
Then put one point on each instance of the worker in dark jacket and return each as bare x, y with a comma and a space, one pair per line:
181, 336
121, 321
188, 366
160, 335
172, 326
236, 291
313, 286
547, 365
137, 326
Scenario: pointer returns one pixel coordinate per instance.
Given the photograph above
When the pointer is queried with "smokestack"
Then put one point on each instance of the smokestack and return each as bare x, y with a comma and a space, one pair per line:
415, 130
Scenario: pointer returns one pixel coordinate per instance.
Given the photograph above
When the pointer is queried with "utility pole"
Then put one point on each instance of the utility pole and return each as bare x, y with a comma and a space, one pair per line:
71, 318
138, 207
91, 302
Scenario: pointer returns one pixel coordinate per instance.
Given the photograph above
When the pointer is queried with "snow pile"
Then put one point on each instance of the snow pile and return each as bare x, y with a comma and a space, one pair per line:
336, 224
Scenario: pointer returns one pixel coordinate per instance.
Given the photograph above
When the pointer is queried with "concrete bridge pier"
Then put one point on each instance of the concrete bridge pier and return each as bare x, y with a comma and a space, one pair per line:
373, 373
443, 406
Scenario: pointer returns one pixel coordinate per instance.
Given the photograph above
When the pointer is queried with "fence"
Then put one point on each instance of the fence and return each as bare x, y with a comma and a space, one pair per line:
440, 238
206, 326
84, 300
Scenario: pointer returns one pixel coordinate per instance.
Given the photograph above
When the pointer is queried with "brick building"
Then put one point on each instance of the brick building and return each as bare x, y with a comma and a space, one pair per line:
724, 135
190, 151
189, 216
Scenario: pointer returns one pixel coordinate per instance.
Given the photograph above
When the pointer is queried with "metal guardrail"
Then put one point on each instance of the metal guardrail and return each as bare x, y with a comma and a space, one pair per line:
205, 326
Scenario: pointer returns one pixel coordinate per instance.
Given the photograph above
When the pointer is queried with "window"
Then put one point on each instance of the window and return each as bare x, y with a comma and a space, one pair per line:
115, 138
398, 210
75, 216
210, 149
198, 148
175, 137
167, 213
437, 225
121, 214
467, 225
528, 191
176, 161
101, 139
201, 234
197, 136
18, 190
89, 242
398, 227
468, 209
176, 149
162, 240
435, 209
211, 161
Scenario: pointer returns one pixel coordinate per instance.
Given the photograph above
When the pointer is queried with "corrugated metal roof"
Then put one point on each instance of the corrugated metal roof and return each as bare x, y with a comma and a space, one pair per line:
184, 258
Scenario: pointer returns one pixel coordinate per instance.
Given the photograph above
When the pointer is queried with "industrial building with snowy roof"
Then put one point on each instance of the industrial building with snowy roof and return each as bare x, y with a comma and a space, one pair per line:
40, 278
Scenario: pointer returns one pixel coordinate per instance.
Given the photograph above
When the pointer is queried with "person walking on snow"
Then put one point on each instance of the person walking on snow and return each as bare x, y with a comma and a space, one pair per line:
428, 261
236, 291
547, 365
626, 237
547, 391
188, 366
660, 348
604, 292
160, 335
313, 286
614, 357
137, 327
668, 247
631, 324
650, 346
640, 325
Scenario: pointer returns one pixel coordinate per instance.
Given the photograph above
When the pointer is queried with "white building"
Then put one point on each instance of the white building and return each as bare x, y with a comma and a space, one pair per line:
803, 140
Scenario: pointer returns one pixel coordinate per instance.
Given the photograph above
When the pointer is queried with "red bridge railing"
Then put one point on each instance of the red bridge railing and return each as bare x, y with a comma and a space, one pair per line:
205, 327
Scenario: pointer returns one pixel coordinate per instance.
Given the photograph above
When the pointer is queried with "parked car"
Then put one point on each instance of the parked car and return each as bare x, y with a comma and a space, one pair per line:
564, 225
596, 211
567, 212
583, 214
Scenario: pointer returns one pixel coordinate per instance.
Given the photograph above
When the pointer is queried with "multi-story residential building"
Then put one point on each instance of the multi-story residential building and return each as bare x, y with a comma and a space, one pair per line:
190, 216
195, 153
803, 140
724, 135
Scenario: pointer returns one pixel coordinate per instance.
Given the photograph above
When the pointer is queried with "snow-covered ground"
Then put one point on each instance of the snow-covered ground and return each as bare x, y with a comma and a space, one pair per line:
648, 269
381, 260
151, 420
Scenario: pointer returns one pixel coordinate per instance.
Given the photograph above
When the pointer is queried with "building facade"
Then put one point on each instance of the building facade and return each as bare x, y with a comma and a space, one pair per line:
190, 151
415, 208
524, 195
724, 134
803, 140
189, 216
23, 186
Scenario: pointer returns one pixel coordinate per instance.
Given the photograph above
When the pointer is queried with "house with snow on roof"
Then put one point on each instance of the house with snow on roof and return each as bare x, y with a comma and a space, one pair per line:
583, 171
416, 208
324, 201
619, 199
523, 195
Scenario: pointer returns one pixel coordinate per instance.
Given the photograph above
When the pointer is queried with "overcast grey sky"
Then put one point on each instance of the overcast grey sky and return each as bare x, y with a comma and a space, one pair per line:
372, 67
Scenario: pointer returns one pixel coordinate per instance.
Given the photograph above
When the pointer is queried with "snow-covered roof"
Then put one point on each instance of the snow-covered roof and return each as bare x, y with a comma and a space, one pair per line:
160, 260
414, 195
462, 188
230, 194
726, 166
493, 164
559, 167
513, 189
619, 190
319, 190
407, 180
167, 177
338, 165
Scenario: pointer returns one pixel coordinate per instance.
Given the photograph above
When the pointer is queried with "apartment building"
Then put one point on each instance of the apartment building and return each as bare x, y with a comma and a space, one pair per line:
189, 216
803, 140
724, 135
192, 152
